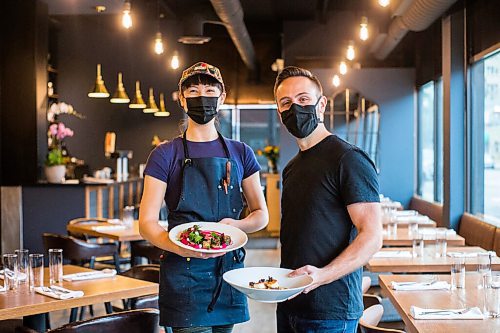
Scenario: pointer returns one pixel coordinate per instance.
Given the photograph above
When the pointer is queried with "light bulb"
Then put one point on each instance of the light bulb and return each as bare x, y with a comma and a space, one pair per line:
126, 18
363, 30
336, 80
174, 63
343, 68
384, 3
350, 52
158, 44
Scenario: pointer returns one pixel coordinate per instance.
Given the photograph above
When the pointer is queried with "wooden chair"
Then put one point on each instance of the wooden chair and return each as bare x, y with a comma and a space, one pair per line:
149, 273
370, 319
366, 283
144, 249
370, 300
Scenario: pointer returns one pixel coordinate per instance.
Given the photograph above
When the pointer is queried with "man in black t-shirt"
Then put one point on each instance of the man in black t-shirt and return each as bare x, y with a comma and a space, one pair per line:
331, 219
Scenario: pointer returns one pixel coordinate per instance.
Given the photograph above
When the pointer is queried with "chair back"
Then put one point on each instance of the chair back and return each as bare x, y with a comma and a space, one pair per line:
134, 321
372, 315
149, 273
146, 250
84, 220
369, 300
365, 328
76, 249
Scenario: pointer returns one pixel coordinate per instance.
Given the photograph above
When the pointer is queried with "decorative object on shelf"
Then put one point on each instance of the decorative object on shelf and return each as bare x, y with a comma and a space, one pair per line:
163, 110
57, 157
151, 107
56, 109
138, 101
99, 90
120, 96
272, 153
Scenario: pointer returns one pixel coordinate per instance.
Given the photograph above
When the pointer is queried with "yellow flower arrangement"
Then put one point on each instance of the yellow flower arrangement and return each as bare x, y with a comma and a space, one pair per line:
272, 153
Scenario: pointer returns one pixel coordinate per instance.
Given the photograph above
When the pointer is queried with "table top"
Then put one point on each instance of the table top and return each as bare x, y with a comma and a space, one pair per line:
122, 235
460, 298
405, 223
426, 264
404, 239
22, 302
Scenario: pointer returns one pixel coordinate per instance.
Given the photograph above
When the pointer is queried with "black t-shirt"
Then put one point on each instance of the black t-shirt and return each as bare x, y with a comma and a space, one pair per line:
318, 185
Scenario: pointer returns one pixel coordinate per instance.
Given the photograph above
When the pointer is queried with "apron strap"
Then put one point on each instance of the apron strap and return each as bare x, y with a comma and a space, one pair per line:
187, 158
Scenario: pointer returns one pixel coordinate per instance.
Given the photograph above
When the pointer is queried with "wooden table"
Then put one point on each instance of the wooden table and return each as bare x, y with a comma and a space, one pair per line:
122, 235
404, 224
403, 239
427, 264
25, 303
460, 298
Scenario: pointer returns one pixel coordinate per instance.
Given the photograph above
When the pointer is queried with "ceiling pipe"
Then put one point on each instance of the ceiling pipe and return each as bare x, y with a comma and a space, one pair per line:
419, 16
231, 14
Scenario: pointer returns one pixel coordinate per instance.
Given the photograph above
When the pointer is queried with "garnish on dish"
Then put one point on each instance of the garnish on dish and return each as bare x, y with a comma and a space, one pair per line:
204, 239
270, 283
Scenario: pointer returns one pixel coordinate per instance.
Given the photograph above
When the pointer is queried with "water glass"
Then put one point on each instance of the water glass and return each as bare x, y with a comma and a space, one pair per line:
458, 272
128, 216
22, 265
412, 228
36, 270
492, 295
55, 266
483, 266
441, 243
418, 245
10, 271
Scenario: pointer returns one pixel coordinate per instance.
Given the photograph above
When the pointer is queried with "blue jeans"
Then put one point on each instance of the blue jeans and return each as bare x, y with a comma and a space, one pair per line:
292, 324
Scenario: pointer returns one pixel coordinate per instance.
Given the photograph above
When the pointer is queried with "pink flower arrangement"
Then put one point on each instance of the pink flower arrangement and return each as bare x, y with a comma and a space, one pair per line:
56, 134
59, 131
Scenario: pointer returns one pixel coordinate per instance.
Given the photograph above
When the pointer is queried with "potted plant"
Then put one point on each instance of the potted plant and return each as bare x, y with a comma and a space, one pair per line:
272, 153
55, 163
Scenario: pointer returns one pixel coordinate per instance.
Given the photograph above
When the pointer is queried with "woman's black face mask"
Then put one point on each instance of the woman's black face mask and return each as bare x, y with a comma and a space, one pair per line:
300, 120
202, 109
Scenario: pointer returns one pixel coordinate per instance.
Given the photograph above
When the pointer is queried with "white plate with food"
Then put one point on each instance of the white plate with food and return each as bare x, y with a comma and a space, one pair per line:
208, 237
267, 284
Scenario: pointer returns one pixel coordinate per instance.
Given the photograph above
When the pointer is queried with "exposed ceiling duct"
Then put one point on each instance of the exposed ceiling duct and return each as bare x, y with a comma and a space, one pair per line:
193, 29
231, 14
417, 17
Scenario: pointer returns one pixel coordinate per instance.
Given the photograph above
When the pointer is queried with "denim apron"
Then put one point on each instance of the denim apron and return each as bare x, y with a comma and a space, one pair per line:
192, 292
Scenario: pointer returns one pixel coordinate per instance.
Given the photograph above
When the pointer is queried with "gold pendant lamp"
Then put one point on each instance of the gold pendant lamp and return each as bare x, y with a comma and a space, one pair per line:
151, 107
163, 111
138, 101
120, 96
99, 90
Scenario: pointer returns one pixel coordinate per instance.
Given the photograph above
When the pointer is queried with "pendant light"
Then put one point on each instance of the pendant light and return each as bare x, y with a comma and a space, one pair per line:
126, 17
384, 3
174, 63
342, 68
151, 107
350, 54
99, 90
120, 96
159, 44
363, 28
163, 111
336, 80
138, 101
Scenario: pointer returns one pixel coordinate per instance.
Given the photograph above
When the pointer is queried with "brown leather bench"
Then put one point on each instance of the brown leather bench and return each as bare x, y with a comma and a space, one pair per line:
496, 242
477, 232
433, 210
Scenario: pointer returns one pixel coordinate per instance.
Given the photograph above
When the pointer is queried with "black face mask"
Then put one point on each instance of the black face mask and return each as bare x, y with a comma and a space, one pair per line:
202, 109
300, 120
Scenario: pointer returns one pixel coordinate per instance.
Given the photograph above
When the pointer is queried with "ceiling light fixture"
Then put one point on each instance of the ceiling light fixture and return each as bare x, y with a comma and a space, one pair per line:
120, 96
99, 90
384, 3
336, 80
138, 101
350, 54
159, 44
163, 111
126, 17
343, 68
151, 107
174, 63
363, 28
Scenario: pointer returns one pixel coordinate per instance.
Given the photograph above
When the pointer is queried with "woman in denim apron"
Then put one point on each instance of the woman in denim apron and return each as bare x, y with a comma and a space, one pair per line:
201, 175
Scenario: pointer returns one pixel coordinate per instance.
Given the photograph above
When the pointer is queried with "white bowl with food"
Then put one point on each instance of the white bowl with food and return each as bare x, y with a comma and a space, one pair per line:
267, 284
208, 237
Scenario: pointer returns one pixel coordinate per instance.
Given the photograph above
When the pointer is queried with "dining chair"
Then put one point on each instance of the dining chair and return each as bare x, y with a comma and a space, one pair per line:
150, 273
370, 300
366, 283
133, 321
85, 220
371, 318
144, 249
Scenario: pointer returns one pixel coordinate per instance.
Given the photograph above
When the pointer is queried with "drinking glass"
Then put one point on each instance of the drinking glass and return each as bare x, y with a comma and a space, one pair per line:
22, 265
492, 295
412, 228
418, 245
483, 266
128, 216
10, 271
441, 244
36, 270
458, 272
55, 266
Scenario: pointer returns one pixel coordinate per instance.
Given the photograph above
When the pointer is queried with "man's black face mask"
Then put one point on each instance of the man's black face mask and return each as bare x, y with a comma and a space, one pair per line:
300, 120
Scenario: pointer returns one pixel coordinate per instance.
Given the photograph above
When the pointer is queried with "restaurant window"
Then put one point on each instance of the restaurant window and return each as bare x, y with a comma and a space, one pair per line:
257, 125
485, 146
426, 141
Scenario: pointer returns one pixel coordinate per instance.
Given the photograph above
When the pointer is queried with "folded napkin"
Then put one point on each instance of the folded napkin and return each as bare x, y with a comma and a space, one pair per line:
432, 231
409, 286
105, 273
109, 227
405, 213
59, 292
20, 276
392, 254
469, 254
467, 313
416, 218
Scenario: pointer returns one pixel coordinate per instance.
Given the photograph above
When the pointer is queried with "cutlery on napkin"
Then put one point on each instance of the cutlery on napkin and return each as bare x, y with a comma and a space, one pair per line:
409, 286
392, 254
109, 227
59, 292
469, 254
20, 276
464, 313
90, 275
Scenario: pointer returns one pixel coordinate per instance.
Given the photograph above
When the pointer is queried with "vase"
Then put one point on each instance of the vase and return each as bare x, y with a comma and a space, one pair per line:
272, 167
55, 174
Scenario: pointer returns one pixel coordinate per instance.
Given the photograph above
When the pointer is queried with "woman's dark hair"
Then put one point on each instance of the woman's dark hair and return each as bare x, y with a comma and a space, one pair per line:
200, 79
